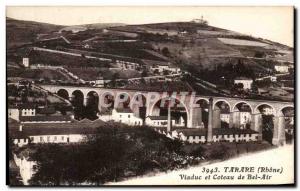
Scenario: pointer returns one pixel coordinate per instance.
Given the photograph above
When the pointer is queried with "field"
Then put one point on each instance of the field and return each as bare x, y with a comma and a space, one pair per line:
136, 49
37, 74
242, 42
90, 73
57, 59
214, 33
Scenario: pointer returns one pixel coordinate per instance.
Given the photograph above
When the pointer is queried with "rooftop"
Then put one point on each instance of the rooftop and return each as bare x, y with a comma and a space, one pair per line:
242, 78
45, 118
22, 106
216, 131
33, 131
76, 127
159, 117
124, 110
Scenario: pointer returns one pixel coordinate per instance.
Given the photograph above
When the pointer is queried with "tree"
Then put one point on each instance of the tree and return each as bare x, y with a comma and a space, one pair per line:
165, 51
114, 78
259, 54
166, 72
254, 88
156, 71
143, 81
144, 73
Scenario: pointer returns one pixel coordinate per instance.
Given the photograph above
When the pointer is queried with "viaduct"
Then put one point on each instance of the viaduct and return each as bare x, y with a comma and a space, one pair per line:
194, 113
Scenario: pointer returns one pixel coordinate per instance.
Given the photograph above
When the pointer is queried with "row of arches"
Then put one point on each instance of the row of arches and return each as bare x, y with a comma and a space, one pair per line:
264, 118
222, 104
89, 105
241, 114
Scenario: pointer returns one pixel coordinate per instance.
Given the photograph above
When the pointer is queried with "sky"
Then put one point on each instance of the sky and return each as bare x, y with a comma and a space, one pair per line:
273, 23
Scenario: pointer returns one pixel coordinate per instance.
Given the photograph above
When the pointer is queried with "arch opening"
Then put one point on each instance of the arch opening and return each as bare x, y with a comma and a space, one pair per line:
202, 117
122, 101
267, 112
107, 103
138, 105
223, 109
91, 108
159, 113
288, 114
242, 115
77, 102
63, 93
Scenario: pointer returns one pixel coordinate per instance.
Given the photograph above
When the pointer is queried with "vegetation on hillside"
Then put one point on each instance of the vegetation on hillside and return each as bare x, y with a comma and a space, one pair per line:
23, 32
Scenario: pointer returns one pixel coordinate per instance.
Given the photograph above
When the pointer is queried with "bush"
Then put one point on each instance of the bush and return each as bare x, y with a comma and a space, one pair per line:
219, 151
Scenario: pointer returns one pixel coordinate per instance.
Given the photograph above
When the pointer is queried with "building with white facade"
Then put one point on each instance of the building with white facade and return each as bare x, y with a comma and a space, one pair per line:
245, 118
282, 68
162, 121
219, 135
28, 114
160, 68
126, 116
25, 62
225, 117
268, 111
247, 82
15, 112
99, 82
127, 65
273, 79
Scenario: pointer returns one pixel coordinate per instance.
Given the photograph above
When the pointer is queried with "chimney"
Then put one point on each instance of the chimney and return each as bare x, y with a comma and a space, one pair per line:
20, 128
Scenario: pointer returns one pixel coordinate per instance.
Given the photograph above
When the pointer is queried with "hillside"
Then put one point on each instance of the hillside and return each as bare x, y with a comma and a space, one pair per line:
207, 45
22, 32
77, 28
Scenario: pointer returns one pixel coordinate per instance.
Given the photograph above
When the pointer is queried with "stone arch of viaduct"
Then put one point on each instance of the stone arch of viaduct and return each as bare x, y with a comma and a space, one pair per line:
193, 110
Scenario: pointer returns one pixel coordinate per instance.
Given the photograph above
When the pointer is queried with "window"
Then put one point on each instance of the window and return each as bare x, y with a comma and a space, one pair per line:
32, 112
128, 116
41, 139
48, 138
62, 138
120, 116
55, 138
34, 167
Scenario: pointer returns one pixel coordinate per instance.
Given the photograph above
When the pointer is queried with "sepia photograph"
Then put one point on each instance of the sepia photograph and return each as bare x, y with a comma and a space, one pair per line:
150, 95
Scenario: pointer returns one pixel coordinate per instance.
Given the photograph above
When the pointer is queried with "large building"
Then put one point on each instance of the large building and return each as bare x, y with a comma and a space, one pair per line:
45, 133
247, 82
126, 116
29, 114
162, 121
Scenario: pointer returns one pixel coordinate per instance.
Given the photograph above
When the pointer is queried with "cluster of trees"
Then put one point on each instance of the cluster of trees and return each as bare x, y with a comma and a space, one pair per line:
110, 155
115, 153
89, 111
